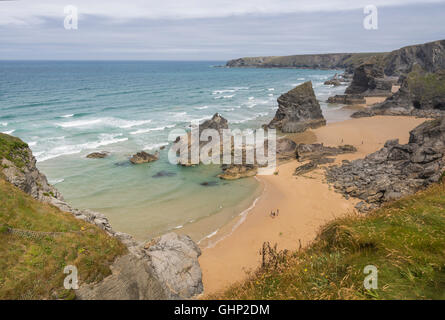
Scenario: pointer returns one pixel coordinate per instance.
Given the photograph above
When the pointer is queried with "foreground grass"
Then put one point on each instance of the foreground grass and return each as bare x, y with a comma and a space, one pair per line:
32, 267
405, 240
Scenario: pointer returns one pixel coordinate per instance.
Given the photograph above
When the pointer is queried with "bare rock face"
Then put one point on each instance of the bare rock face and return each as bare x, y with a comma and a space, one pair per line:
144, 157
131, 279
395, 170
421, 94
349, 99
19, 168
217, 122
369, 80
298, 110
174, 259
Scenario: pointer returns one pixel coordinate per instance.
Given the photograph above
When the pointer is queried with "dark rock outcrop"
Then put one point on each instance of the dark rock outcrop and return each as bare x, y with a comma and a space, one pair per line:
349, 99
298, 110
317, 151
421, 94
98, 155
369, 80
395, 170
144, 157
429, 56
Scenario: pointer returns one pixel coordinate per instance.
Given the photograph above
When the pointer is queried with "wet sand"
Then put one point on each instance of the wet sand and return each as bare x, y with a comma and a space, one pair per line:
305, 203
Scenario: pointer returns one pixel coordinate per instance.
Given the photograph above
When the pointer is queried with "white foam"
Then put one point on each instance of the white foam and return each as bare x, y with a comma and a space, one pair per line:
120, 123
104, 140
202, 108
79, 123
4, 124
56, 181
271, 89
141, 131
8, 132
67, 116
32, 143
155, 146
251, 98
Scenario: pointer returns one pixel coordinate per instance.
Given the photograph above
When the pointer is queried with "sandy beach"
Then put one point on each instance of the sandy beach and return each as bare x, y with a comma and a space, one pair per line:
305, 203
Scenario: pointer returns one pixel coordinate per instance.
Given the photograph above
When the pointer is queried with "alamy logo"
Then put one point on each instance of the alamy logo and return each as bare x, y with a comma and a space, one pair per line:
371, 279
71, 281
371, 20
71, 18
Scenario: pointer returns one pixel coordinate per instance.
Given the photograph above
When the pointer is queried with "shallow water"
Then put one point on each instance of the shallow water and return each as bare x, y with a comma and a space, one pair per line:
65, 110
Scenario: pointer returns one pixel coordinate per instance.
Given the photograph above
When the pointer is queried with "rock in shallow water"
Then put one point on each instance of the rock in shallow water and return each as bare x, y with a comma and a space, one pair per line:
144, 157
98, 155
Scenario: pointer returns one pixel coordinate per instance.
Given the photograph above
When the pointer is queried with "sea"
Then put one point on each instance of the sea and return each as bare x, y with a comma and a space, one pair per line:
65, 110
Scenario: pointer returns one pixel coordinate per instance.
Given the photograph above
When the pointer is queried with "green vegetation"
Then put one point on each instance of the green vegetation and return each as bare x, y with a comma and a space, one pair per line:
427, 89
13, 149
405, 240
32, 267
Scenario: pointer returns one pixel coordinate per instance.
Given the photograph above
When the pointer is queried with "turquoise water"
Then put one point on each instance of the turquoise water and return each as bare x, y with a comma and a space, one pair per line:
65, 110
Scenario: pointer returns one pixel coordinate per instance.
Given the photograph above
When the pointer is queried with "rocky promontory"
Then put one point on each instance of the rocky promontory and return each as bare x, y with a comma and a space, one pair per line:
298, 110
421, 94
395, 170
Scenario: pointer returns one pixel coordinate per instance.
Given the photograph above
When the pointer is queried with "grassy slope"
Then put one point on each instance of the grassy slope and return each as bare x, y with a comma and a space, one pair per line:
13, 149
33, 268
405, 240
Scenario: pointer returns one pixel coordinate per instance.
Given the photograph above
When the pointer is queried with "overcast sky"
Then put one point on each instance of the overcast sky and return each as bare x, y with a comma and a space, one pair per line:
211, 29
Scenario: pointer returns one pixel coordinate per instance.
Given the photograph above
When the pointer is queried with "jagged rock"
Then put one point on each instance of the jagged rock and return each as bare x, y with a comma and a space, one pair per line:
311, 166
298, 110
395, 170
369, 80
347, 99
98, 155
175, 262
131, 279
332, 82
217, 122
238, 171
286, 149
144, 157
429, 56
318, 150
421, 94
20, 170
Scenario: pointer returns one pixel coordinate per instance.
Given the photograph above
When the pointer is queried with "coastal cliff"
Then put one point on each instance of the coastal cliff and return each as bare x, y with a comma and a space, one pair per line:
346, 61
163, 268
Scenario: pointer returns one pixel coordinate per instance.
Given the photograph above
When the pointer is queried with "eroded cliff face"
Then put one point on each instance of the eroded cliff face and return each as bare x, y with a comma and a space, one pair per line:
429, 56
377, 74
298, 110
421, 94
163, 268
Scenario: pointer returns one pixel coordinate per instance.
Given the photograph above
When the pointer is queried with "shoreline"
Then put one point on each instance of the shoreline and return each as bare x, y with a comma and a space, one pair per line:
305, 203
